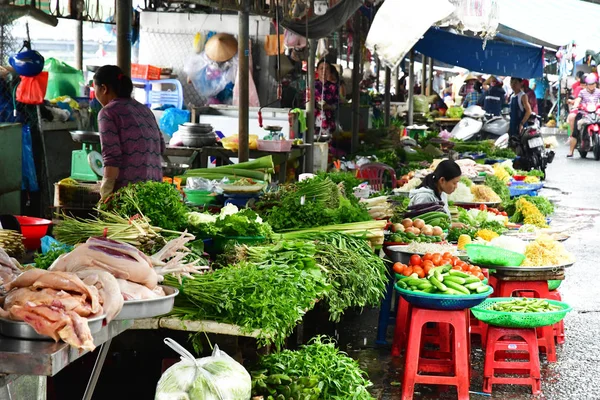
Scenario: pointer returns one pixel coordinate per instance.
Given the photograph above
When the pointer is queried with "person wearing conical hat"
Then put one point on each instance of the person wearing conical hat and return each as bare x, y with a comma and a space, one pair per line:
221, 47
468, 86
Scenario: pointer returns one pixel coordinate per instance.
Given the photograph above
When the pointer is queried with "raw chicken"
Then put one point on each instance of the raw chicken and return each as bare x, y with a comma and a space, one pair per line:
135, 291
9, 269
56, 322
108, 287
39, 278
47, 297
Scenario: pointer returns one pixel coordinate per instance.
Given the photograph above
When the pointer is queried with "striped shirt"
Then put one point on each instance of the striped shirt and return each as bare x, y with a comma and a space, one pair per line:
131, 141
589, 98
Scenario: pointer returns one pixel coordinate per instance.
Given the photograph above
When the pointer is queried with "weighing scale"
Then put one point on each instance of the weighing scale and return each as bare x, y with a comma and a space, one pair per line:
86, 164
274, 132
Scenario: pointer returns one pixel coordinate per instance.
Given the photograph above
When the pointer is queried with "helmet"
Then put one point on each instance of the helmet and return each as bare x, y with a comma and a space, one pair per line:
590, 79
27, 63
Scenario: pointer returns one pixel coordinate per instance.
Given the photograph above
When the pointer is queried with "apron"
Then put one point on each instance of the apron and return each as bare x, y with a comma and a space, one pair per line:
517, 112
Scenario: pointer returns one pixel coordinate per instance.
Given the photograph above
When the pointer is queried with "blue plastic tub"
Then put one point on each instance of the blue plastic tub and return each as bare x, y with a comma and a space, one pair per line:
443, 301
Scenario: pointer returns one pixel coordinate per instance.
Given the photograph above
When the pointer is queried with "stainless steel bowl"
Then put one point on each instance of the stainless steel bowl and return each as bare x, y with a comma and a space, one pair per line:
137, 309
22, 330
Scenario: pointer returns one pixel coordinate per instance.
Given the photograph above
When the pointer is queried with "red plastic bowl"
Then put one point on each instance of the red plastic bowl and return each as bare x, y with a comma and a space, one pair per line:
33, 230
519, 177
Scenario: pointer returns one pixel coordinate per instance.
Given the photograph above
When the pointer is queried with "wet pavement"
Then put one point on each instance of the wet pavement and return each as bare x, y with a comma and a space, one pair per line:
574, 186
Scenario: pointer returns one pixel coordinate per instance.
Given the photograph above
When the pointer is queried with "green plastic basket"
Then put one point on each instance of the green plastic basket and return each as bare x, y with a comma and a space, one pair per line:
518, 320
490, 255
199, 197
554, 284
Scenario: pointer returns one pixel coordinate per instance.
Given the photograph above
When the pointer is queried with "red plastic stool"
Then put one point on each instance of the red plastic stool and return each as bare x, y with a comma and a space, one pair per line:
478, 328
455, 367
502, 345
559, 327
536, 289
437, 335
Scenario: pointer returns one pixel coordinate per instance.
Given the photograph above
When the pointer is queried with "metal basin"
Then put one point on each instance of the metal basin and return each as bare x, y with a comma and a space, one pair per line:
85, 136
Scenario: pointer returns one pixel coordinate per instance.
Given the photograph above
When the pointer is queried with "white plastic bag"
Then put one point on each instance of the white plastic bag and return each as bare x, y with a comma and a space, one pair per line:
218, 377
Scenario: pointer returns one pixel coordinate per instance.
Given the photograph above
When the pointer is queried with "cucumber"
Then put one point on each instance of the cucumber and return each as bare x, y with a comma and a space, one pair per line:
412, 276
438, 275
472, 279
425, 285
431, 289
455, 279
435, 282
482, 289
474, 285
457, 287
415, 282
460, 273
402, 285
452, 291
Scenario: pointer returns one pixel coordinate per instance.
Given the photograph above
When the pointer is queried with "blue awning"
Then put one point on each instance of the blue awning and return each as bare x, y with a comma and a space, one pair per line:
497, 58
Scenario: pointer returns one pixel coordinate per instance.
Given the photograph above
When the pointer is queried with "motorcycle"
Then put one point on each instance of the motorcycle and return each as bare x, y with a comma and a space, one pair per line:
530, 149
588, 128
476, 125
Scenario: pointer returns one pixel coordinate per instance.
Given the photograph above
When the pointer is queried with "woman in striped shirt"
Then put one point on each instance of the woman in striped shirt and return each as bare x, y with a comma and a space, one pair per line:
132, 144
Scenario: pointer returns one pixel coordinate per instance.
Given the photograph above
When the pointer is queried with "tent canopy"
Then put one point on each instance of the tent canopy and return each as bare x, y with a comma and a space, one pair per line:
498, 58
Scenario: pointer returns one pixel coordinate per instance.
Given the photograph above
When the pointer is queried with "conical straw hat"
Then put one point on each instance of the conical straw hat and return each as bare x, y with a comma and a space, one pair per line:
221, 47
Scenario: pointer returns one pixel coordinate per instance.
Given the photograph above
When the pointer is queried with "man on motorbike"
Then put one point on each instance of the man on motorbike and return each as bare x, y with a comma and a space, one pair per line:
590, 95
493, 98
520, 110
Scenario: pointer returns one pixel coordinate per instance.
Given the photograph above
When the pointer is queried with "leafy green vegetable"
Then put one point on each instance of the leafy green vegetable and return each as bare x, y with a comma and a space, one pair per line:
318, 364
160, 202
454, 233
499, 187
270, 297
543, 204
43, 261
243, 223
349, 180
495, 226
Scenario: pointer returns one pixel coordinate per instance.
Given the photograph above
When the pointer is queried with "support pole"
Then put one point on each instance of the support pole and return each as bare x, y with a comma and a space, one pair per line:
378, 68
124, 11
243, 79
423, 74
310, 106
356, 82
430, 84
388, 96
411, 88
79, 45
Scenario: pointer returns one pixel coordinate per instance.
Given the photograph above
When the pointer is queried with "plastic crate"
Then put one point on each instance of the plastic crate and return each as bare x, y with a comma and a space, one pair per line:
141, 71
275, 145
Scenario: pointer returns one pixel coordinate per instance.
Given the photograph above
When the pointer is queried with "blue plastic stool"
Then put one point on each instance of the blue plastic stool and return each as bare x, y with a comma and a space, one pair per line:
385, 319
163, 97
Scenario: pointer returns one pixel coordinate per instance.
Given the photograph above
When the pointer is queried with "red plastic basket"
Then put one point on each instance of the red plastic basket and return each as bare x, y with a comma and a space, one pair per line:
33, 229
141, 71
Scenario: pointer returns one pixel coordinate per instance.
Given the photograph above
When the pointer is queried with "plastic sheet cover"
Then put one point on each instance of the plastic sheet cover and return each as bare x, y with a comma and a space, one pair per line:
324, 25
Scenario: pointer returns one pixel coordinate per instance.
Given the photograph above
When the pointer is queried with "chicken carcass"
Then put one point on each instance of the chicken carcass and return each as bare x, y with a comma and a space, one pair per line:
59, 281
56, 322
135, 291
9, 268
108, 287
47, 297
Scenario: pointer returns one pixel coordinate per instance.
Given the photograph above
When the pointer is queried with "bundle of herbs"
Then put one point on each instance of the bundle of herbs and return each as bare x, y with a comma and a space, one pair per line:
269, 297
160, 202
356, 274
499, 187
317, 370
310, 203
230, 222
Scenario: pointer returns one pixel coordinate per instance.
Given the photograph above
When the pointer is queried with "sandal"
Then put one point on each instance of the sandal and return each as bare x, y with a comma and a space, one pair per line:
569, 155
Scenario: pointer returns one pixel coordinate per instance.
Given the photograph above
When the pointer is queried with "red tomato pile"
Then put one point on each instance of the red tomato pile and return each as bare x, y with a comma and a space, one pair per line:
495, 211
422, 265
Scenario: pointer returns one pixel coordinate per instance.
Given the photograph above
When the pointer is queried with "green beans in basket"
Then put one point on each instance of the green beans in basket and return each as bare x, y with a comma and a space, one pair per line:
524, 305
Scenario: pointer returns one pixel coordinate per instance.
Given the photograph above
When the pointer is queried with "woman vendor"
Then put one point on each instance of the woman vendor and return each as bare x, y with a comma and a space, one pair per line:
437, 186
132, 144
327, 98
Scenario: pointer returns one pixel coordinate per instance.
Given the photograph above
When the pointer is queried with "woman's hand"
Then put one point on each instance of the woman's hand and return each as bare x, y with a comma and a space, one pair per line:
458, 225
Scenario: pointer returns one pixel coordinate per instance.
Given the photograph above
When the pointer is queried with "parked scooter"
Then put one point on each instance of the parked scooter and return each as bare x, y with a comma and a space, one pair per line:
530, 149
588, 128
477, 125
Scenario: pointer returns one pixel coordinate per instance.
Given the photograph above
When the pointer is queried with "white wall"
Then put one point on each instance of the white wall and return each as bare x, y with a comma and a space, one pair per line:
166, 40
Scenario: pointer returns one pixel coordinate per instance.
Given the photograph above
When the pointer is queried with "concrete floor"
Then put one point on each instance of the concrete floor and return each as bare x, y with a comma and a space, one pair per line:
574, 185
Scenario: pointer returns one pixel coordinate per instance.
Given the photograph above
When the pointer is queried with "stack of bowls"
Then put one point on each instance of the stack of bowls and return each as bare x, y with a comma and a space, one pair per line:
197, 135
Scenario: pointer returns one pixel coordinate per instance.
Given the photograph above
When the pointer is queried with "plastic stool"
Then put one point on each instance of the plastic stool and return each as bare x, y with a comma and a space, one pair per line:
559, 327
374, 174
500, 347
535, 289
478, 328
456, 367
385, 309
402, 326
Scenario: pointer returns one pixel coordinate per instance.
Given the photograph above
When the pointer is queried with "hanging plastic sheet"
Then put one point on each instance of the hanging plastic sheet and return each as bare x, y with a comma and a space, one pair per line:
210, 77
29, 179
324, 25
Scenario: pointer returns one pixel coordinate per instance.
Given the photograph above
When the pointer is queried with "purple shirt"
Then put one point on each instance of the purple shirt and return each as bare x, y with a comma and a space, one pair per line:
131, 141
589, 98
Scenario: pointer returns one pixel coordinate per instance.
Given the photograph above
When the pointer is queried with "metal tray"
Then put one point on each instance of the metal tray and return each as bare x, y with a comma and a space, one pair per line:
532, 237
85, 136
527, 269
138, 309
400, 253
22, 330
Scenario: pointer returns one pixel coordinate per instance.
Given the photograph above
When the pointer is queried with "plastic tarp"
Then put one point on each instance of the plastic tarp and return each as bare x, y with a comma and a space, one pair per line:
322, 26
398, 25
555, 21
497, 58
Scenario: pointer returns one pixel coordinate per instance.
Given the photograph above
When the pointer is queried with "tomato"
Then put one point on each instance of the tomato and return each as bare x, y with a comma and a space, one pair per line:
436, 259
455, 260
465, 267
427, 257
474, 270
407, 271
480, 276
446, 261
447, 255
482, 207
419, 271
427, 268
415, 260
504, 214
456, 267
398, 267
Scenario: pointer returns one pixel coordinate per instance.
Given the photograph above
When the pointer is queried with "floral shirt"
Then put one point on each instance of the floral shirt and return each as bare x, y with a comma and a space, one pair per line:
327, 93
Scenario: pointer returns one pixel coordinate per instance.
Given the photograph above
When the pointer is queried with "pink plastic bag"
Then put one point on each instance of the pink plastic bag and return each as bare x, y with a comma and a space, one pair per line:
252, 93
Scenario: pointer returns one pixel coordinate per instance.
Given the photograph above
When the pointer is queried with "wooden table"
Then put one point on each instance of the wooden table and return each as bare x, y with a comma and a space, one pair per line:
279, 158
